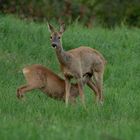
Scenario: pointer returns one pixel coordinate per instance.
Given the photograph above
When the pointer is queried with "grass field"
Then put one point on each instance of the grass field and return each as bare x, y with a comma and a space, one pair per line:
41, 118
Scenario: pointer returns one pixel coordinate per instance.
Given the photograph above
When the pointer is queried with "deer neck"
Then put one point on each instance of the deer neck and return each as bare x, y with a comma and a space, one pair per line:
63, 56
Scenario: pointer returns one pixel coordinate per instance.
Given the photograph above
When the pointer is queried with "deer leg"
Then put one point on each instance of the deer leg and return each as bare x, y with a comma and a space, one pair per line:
80, 87
92, 85
99, 84
19, 91
67, 90
23, 89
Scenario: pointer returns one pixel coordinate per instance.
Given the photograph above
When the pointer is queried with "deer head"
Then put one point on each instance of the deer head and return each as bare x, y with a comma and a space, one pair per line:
56, 36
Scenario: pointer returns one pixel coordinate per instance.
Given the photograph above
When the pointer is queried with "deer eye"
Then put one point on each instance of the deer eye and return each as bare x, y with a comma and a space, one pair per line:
51, 37
59, 37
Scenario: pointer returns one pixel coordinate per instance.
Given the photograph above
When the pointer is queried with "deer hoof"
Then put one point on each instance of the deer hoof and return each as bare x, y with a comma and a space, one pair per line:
19, 95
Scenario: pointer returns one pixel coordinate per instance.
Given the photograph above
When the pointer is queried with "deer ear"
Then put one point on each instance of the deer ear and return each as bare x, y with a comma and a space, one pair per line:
51, 28
62, 28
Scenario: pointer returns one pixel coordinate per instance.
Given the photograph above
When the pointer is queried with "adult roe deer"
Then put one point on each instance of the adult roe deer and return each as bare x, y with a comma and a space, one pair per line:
77, 62
40, 77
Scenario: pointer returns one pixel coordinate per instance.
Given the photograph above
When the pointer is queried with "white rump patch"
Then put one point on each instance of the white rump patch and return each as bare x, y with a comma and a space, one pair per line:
25, 70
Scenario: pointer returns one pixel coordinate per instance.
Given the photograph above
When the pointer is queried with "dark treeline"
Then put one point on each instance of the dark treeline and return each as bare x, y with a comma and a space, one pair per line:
108, 13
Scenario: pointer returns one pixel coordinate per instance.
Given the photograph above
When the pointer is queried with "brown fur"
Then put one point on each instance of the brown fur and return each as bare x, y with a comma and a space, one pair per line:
77, 62
40, 77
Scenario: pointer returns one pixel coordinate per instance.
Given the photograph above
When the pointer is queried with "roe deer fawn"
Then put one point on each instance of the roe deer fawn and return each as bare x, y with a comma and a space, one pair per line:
77, 62
40, 77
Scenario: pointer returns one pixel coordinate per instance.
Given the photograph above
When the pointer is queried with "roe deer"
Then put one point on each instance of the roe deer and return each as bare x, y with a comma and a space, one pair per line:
40, 77
77, 62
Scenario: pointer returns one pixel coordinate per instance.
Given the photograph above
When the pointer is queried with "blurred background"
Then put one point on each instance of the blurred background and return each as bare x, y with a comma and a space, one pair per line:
107, 13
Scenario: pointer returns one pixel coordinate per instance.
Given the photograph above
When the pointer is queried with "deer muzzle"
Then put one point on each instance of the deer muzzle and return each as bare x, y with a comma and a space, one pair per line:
54, 45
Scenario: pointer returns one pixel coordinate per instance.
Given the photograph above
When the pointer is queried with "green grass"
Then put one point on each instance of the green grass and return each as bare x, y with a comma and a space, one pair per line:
39, 117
